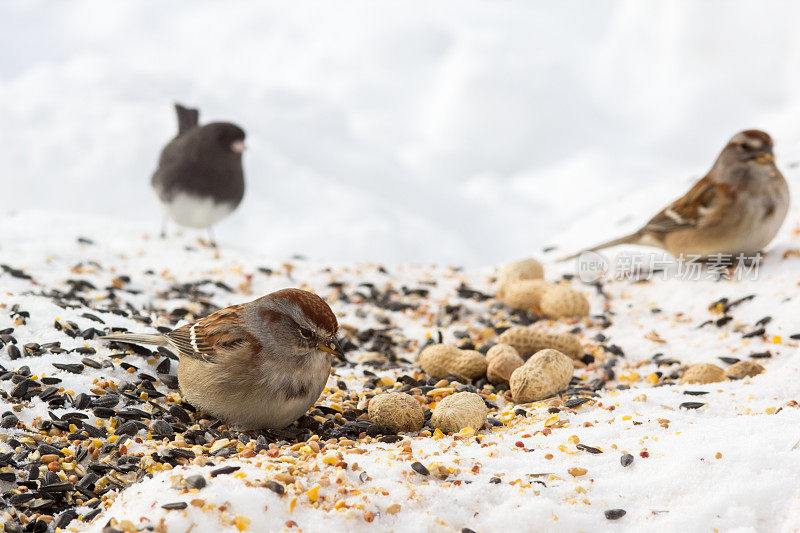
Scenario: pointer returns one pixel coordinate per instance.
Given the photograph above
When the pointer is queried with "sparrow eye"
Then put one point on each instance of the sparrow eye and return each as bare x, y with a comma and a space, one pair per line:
746, 147
306, 333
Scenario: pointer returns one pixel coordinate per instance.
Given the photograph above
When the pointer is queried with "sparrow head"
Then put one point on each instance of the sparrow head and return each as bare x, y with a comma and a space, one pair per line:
226, 136
747, 146
297, 324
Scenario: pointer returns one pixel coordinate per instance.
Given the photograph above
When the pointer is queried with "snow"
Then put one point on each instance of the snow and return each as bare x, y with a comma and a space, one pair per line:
370, 124
681, 485
414, 135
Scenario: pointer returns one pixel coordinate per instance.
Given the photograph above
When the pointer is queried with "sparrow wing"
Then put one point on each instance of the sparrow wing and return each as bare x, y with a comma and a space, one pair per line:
686, 212
209, 337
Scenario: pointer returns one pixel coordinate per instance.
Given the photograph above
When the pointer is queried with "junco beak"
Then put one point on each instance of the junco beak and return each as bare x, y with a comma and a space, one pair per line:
237, 147
331, 348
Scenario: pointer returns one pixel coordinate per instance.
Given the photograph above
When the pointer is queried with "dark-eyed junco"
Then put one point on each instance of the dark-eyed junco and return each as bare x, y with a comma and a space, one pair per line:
261, 364
737, 208
199, 179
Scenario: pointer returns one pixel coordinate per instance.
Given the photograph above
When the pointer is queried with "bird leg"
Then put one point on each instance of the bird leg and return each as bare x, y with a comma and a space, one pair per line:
164, 227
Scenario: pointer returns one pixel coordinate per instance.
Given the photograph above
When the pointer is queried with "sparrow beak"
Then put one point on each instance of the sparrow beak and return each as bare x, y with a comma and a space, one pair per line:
237, 147
330, 348
764, 158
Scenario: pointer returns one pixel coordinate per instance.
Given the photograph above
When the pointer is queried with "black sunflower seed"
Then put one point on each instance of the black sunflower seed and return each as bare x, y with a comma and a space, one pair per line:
224, 470
169, 380
179, 413
724, 320
128, 428
85, 350
275, 487
47, 449
163, 367
106, 400
13, 352
91, 363
182, 452
48, 392
615, 514
133, 414
40, 504
162, 428
572, 403
754, 333
91, 333
22, 498
9, 421
195, 482
166, 352
93, 317
74, 368
91, 515
61, 486
103, 412
65, 518
21, 388
419, 468
175, 506
692, 405
590, 449
695, 392
626, 459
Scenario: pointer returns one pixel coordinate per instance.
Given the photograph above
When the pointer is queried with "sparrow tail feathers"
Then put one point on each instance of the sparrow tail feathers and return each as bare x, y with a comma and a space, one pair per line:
633, 238
136, 338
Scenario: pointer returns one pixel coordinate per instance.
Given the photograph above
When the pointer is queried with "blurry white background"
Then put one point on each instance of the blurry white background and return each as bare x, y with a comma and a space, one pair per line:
462, 132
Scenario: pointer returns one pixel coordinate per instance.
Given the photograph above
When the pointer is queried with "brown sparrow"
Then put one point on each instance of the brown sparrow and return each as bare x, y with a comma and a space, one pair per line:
737, 208
261, 364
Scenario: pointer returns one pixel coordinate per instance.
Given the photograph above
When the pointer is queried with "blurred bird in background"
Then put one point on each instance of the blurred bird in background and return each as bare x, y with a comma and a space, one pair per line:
737, 208
199, 179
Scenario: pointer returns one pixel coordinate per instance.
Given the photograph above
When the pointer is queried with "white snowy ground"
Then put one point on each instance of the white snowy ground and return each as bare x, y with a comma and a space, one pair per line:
728, 466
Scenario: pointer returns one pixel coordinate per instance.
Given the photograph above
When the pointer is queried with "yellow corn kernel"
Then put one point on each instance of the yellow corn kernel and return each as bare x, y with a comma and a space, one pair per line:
241, 522
313, 493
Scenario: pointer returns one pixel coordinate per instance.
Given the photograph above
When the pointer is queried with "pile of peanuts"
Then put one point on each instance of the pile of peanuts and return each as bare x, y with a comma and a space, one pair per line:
534, 362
